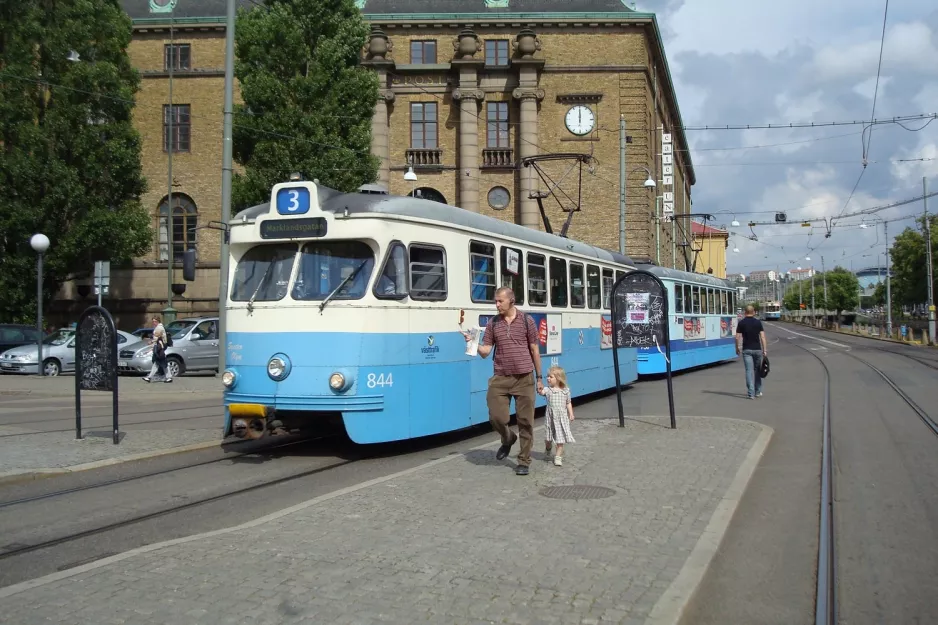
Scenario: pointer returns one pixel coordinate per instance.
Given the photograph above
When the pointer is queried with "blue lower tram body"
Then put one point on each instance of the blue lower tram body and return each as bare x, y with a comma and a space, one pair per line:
402, 385
686, 355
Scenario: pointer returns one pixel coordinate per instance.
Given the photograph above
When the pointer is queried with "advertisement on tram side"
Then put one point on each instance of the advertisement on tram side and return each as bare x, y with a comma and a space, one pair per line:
695, 329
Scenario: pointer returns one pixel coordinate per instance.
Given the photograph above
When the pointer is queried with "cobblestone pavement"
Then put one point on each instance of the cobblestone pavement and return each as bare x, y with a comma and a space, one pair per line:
13, 386
458, 540
52, 450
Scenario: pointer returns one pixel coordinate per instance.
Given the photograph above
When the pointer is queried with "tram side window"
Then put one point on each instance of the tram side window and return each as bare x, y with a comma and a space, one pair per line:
607, 288
427, 272
537, 280
619, 274
709, 310
558, 282
723, 305
482, 272
593, 292
392, 283
688, 301
513, 272
263, 273
696, 300
704, 308
678, 298
577, 288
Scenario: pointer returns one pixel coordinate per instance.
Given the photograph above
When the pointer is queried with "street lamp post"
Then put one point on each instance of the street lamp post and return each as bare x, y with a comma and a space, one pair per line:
648, 184
40, 243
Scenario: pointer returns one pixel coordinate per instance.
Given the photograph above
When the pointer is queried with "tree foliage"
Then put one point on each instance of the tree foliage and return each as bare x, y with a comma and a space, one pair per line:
908, 254
69, 155
308, 103
843, 292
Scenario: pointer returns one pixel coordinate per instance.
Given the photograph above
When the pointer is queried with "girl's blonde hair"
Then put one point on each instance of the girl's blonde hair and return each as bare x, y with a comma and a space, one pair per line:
560, 375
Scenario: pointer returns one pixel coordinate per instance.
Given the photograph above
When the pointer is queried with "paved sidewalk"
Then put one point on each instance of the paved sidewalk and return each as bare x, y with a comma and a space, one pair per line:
461, 539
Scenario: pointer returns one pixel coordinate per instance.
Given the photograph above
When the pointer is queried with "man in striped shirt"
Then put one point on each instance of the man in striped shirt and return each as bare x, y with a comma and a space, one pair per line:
513, 335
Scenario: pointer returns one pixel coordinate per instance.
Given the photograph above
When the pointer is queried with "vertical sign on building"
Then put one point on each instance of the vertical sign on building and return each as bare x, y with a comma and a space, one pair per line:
667, 176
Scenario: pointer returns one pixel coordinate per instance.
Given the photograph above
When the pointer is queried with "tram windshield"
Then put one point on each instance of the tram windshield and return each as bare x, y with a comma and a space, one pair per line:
263, 273
325, 265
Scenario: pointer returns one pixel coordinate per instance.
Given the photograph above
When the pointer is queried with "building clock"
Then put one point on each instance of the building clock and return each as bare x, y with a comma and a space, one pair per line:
580, 120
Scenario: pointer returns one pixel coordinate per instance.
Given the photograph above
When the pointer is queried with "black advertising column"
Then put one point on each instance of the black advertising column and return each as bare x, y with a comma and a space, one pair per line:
96, 360
640, 319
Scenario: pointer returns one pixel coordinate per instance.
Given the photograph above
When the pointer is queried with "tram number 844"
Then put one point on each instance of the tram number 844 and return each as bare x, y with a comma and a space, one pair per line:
380, 379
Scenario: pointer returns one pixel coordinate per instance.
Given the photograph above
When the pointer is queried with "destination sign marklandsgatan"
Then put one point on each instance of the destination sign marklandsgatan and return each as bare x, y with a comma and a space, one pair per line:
293, 228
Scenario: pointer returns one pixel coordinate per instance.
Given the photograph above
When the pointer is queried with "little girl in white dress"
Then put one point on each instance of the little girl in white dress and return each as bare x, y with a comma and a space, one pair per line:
559, 413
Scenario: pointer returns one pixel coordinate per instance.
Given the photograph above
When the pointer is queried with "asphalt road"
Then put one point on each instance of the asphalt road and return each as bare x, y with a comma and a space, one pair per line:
885, 493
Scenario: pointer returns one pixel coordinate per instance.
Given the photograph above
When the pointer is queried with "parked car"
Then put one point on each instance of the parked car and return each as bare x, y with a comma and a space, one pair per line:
195, 348
58, 354
14, 334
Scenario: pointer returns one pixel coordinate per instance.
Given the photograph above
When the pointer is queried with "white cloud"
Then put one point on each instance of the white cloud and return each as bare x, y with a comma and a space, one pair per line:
867, 88
908, 47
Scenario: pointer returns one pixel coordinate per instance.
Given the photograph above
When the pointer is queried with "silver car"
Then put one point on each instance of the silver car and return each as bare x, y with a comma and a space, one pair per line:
58, 354
195, 348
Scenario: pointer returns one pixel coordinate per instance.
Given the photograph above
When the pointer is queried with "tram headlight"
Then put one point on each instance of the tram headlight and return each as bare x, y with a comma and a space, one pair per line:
336, 381
228, 378
277, 367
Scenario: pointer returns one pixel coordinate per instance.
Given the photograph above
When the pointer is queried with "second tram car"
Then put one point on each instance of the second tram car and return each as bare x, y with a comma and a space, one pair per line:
702, 310
349, 307
772, 311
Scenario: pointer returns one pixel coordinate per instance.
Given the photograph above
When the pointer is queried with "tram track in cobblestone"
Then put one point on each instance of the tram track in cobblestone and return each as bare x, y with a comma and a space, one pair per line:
131, 478
217, 404
826, 589
929, 422
108, 426
14, 549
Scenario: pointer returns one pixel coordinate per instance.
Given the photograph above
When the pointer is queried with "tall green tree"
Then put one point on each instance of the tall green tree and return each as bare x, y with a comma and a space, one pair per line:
843, 289
69, 155
909, 280
308, 103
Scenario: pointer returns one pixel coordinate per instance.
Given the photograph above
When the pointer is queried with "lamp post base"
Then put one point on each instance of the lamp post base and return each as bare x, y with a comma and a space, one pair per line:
169, 315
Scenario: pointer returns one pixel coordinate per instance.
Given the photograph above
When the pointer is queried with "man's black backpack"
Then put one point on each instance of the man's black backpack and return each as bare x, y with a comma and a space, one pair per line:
169, 341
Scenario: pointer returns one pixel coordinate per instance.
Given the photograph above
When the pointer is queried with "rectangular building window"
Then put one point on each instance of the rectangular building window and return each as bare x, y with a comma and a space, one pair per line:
497, 124
577, 286
558, 282
179, 135
537, 280
512, 269
593, 291
423, 52
607, 288
496, 52
177, 56
423, 125
482, 272
427, 272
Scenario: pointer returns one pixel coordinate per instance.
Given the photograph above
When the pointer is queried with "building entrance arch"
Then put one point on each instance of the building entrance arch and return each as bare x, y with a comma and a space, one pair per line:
428, 193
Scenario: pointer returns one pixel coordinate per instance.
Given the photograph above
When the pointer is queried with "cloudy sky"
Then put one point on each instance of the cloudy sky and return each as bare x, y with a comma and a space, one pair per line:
762, 61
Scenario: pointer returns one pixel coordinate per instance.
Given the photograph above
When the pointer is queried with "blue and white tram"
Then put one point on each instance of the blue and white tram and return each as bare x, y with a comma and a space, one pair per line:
703, 322
349, 307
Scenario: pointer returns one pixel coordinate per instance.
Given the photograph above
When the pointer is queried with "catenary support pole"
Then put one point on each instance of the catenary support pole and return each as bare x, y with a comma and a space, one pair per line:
226, 184
622, 184
930, 267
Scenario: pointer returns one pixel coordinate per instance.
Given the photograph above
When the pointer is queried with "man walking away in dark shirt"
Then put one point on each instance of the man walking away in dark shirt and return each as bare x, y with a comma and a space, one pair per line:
750, 343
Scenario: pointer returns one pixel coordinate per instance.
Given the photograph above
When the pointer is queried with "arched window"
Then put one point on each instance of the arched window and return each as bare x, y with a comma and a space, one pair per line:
183, 232
428, 193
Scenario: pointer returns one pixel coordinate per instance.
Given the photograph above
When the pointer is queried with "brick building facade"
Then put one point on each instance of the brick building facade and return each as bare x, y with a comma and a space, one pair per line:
469, 89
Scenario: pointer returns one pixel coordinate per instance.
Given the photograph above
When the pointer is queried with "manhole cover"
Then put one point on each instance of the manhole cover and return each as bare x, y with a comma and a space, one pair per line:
577, 491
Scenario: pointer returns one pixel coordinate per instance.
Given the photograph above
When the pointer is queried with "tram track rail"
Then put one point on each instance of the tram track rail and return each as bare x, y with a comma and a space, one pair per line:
131, 478
826, 588
13, 550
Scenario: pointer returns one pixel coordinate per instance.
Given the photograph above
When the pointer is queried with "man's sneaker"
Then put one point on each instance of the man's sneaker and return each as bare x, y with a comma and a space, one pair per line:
502, 452
521, 470
146, 379
759, 394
